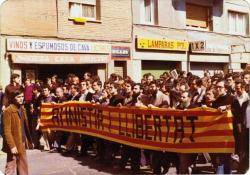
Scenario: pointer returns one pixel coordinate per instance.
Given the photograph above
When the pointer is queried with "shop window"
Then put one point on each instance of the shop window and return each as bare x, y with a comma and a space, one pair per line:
89, 9
149, 12
237, 23
198, 16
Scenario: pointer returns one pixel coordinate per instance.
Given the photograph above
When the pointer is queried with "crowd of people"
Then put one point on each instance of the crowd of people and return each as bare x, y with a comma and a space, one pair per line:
181, 91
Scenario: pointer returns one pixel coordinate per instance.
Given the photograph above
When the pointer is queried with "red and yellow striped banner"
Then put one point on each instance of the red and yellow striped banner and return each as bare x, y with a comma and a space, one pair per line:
195, 130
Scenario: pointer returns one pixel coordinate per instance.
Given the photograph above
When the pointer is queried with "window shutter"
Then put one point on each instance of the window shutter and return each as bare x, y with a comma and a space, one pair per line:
197, 16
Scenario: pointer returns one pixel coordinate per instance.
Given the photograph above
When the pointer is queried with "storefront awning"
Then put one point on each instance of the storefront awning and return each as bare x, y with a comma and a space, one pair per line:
32, 58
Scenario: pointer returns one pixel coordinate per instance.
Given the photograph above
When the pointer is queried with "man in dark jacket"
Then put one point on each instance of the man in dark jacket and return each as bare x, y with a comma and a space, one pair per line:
16, 135
239, 107
222, 103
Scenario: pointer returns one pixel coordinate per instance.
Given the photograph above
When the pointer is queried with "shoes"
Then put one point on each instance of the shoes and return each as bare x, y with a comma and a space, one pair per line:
235, 157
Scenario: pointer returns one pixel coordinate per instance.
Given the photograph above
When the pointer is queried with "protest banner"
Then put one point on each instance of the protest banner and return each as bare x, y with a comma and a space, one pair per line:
195, 130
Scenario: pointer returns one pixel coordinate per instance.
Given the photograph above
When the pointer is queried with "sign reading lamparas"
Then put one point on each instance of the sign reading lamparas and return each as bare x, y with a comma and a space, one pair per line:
36, 45
162, 44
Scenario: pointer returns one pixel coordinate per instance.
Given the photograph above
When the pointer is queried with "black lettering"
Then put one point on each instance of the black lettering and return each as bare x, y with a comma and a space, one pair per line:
120, 125
79, 115
127, 132
75, 117
83, 118
68, 116
133, 130
167, 118
157, 126
71, 116
192, 119
61, 115
90, 118
95, 118
179, 128
100, 119
147, 127
139, 126
109, 121
55, 116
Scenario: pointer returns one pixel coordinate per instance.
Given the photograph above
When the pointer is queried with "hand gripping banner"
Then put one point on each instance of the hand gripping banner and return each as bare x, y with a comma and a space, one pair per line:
195, 130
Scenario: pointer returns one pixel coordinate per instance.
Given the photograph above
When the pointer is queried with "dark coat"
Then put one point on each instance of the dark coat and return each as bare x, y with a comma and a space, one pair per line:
12, 130
239, 112
223, 101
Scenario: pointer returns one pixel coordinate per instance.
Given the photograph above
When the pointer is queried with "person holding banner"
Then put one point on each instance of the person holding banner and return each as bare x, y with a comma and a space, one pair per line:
16, 135
157, 99
239, 108
185, 159
74, 138
47, 138
116, 99
59, 135
127, 152
222, 103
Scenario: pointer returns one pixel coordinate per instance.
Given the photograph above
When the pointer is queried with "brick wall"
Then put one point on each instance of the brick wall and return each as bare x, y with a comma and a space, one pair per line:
39, 18
29, 17
115, 23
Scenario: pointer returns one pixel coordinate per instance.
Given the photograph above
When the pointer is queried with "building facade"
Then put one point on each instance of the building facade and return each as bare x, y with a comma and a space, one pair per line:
216, 30
44, 37
39, 38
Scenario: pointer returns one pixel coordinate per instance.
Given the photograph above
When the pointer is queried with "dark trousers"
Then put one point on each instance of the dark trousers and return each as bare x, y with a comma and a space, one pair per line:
220, 159
244, 152
134, 154
27, 106
35, 134
16, 164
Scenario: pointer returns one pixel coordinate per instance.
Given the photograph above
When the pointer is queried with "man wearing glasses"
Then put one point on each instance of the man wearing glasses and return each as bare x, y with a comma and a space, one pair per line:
222, 103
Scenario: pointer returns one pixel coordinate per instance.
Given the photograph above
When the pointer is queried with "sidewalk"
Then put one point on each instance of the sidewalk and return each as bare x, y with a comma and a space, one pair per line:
2, 157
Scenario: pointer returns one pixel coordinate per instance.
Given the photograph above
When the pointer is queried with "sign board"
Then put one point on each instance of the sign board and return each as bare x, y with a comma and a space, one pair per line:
56, 46
162, 44
120, 53
24, 58
195, 130
198, 46
205, 47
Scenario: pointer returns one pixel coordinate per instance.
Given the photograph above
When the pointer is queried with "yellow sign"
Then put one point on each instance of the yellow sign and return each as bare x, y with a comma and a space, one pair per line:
162, 44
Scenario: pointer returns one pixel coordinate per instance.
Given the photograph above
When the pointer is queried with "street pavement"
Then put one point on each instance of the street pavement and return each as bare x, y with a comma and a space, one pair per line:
54, 163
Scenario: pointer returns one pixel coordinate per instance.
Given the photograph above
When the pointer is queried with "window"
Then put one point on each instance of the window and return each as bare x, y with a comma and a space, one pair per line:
237, 23
198, 16
83, 9
148, 11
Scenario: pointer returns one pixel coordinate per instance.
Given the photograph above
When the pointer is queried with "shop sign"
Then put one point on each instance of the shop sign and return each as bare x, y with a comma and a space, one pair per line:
21, 58
205, 47
57, 46
120, 52
162, 44
198, 46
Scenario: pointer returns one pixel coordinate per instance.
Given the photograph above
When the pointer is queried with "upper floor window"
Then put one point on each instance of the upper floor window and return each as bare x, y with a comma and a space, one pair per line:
148, 9
237, 23
198, 16
83, 9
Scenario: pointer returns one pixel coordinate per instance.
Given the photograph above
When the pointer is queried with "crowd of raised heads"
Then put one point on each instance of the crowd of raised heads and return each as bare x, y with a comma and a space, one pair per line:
170, 85
175, 89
